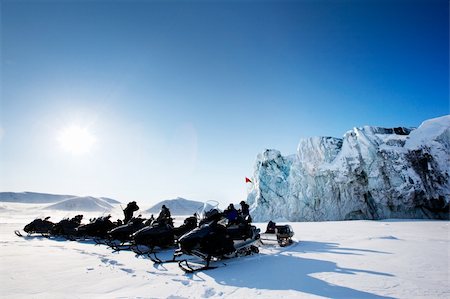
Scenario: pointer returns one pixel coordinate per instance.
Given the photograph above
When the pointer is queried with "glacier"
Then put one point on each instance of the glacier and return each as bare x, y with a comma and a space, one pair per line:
370, 173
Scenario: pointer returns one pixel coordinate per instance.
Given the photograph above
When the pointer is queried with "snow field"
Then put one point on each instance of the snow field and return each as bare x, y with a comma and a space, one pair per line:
348, 259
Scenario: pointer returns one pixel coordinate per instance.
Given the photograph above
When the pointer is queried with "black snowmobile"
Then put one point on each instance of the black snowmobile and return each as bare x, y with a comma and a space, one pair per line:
121, 237
38, 226
123, 232
215, 240
67, 227
188, 224
161, 234
97, 228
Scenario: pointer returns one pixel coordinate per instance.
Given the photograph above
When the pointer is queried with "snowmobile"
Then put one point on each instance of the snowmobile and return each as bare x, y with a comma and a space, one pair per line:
123, 232
161, 234
157, 235
119, 236
67, 227
188, 224
37, 226
282, 234
96, 229
215, 240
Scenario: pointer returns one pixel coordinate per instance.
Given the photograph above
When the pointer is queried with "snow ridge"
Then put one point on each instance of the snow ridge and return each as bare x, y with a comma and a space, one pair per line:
371, 173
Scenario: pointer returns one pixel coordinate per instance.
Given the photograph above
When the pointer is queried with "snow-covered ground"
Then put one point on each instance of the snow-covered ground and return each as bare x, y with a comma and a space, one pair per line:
348, 259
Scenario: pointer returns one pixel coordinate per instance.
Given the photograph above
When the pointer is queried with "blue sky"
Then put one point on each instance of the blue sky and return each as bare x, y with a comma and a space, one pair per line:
182, 95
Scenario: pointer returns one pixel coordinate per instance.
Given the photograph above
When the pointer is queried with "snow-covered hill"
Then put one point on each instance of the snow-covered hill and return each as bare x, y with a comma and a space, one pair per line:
178, 206
60, 202
35, 197
88, 204
372, 173
32, 197
110, 200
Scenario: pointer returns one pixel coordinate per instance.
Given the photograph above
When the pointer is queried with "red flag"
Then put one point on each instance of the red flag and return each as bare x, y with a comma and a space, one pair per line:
247, 180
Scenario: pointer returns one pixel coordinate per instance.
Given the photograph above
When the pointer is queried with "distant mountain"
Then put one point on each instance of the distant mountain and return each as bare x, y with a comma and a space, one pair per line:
110, 200
32, 197
61, 202
87, 204
178, 206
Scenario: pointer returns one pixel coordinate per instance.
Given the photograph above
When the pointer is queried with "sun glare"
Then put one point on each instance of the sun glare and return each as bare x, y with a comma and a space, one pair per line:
76, 140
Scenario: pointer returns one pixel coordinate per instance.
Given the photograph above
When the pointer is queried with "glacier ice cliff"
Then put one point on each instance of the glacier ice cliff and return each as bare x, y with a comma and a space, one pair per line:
370, 173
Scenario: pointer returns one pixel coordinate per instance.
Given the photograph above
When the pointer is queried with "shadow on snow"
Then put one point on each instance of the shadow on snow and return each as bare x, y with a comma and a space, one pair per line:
287, 271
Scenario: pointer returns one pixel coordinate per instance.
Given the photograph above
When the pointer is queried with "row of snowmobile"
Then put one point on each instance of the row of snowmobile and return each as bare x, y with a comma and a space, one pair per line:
206, 236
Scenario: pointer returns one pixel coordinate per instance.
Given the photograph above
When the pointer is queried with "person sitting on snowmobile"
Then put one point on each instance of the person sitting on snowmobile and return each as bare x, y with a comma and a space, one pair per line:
244, 212
129, 210
164, 216
232, 214
149, 221
270, 227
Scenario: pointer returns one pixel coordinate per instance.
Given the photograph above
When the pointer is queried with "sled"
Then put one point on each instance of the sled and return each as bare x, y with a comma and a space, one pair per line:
282, 235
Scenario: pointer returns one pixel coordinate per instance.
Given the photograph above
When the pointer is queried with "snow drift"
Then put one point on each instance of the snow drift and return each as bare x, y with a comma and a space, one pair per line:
371, 173
178, 206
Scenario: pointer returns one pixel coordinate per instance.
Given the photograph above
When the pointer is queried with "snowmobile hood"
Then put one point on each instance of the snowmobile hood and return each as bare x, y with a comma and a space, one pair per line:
198, 233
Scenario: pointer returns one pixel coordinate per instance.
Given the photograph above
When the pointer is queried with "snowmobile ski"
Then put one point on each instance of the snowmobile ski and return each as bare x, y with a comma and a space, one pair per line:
187, 268
18, 233
158, 261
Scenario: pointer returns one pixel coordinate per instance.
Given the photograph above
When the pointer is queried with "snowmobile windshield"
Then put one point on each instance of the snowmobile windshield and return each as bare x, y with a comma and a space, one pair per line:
208, 208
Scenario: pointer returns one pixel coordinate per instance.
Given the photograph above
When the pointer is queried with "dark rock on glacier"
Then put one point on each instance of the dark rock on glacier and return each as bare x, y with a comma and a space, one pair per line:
371, 173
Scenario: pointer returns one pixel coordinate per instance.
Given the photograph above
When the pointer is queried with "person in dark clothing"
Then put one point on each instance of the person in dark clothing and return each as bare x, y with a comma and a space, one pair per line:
244, 212
149, 221
231, 214
164, 216
244, 208
129, 210
271, 227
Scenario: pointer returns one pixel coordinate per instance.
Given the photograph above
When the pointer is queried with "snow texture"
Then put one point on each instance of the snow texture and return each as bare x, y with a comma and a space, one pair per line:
346, 259
178, 206
371, 173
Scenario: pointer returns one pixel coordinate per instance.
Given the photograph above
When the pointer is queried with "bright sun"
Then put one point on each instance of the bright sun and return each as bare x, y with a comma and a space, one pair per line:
76, 140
